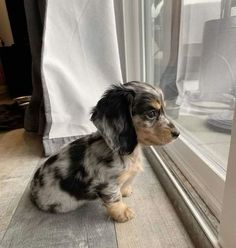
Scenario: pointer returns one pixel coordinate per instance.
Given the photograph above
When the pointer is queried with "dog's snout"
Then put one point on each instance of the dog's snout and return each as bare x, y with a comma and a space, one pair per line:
175, 133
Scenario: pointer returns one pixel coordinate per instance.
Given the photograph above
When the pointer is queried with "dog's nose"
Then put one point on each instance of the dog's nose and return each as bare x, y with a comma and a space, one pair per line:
175, 134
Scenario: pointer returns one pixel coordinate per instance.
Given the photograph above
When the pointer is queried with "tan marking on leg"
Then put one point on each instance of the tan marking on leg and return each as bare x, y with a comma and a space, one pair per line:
120, 212
132, 169
127, 176
126, 179
126, 191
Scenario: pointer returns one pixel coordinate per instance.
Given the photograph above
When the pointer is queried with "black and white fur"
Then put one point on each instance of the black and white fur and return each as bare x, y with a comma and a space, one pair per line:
93, 166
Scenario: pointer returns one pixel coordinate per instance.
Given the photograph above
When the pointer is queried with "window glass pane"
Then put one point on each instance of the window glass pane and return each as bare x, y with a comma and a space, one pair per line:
190, 53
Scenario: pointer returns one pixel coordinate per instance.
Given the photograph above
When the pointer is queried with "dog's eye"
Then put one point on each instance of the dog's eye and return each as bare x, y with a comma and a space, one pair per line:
152, 114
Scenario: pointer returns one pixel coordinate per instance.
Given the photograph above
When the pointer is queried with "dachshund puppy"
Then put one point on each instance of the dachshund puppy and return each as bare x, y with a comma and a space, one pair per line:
103, 164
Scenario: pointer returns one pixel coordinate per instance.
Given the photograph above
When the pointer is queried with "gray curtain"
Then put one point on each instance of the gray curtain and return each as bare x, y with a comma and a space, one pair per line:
75, 57
35, 116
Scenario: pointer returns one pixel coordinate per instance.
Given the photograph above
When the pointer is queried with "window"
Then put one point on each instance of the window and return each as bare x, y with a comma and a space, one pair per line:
188, 49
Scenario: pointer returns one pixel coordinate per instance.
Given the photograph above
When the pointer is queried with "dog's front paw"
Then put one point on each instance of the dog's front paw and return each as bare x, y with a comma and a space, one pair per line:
127, 191
122, 216
120, 212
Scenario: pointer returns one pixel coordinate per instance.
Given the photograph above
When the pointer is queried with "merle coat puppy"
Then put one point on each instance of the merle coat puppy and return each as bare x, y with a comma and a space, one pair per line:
103, 164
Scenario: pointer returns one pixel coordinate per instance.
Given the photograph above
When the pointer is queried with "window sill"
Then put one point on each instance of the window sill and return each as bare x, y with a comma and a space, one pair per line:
199, 221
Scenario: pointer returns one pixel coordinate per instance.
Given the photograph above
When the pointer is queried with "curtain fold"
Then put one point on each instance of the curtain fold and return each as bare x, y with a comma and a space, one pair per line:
34, 116
75, 61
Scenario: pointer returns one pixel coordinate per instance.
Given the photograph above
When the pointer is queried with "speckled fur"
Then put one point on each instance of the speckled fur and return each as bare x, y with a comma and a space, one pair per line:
103, 164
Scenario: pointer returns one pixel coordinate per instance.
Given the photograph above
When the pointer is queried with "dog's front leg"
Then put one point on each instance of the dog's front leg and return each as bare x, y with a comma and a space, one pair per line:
116, 209
119, 211
126, 188
126, 178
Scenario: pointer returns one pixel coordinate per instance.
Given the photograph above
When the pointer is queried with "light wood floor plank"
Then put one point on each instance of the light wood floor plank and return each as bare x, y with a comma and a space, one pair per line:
156, 224
20, 152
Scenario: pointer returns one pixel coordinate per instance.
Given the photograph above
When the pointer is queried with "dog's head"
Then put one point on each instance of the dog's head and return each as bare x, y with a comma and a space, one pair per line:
133, 113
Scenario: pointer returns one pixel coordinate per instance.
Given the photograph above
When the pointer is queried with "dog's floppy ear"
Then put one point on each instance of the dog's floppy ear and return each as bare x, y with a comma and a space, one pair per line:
112, 117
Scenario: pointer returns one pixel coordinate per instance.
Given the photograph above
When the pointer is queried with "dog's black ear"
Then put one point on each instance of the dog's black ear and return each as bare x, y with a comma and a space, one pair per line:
112, 117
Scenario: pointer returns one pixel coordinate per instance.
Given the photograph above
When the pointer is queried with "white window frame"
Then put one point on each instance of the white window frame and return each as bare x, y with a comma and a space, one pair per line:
227, 233
219, 194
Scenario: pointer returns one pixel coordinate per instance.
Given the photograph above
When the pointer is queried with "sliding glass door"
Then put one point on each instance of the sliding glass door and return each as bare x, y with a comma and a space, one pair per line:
188, 48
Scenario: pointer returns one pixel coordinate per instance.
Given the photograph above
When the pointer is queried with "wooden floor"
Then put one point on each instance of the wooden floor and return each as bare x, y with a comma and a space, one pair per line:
24, 226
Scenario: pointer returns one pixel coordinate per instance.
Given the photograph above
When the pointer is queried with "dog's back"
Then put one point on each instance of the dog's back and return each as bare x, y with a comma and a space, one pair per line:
77, 173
